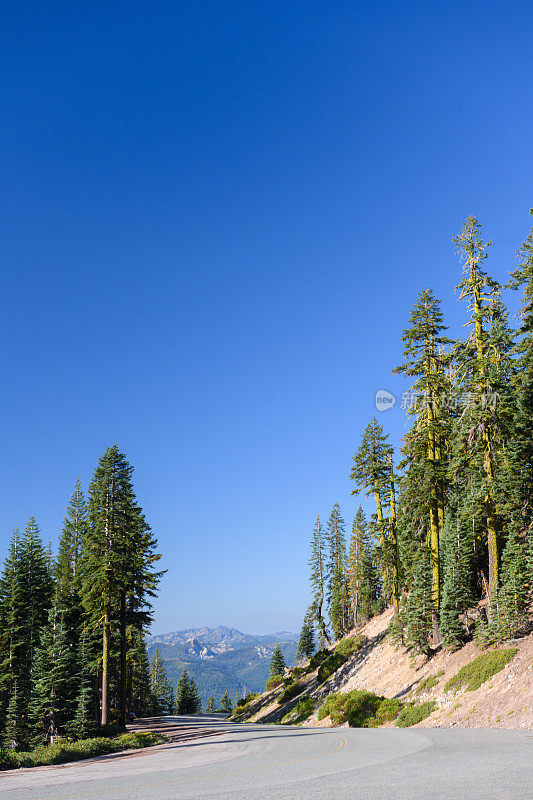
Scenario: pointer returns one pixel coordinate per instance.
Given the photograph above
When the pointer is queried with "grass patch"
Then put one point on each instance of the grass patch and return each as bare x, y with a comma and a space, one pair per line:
472, 675
412, 714
64, 751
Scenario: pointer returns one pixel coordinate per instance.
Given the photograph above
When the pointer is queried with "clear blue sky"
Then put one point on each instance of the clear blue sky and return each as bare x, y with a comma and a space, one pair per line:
215, 218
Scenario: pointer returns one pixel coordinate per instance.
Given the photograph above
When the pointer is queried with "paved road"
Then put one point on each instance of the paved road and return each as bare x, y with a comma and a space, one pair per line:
264, 762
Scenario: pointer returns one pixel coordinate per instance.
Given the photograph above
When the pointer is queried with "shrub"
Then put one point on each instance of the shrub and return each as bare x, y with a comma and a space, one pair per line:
350, 646
388, 709
8, 760
480, 670
273, 682
63, 751
356, 707
427, 684
297, 672
412, 714
289, 692
301, 711
343, 651
316, 660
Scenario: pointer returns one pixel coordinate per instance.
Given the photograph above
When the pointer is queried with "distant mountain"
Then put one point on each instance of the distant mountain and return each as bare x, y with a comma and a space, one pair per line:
221, 659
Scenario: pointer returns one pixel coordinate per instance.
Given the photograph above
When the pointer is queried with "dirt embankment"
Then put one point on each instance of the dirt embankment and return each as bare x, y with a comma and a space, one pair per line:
503, 701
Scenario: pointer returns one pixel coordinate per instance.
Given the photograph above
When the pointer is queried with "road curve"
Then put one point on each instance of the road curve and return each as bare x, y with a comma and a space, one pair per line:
266, 762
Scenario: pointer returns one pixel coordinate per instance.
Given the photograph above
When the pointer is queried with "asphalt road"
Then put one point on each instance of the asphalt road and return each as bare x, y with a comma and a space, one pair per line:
265, 762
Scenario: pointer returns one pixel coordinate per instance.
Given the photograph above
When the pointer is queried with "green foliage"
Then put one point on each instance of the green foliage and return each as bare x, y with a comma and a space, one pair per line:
210, 706
289, 692
347, 647
342, 653
64, 751
317, 660
160, 688
472, 675
357, 708
301, 711
225, 703
273, 682
277, 662
426, 685
306, 644
412, 714
388, 709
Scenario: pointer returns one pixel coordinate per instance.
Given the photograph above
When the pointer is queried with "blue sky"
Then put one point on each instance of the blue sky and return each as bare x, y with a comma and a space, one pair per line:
215, 218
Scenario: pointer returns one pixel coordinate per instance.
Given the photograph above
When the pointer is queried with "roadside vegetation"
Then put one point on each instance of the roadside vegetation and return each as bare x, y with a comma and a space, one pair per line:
471, 676
63, 751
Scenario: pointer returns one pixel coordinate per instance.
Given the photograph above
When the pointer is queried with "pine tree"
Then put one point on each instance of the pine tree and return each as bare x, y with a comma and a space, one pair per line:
28, 601
419, 606
183, 694
225, 703
160, 688
140, 676
83, 723
210, 707
53, 676
372, 473
277, 662
317, 562
425, 461
67, 575
483, 366
195, 701
359, 566
457, 594
118, 576
306, 643
338, 599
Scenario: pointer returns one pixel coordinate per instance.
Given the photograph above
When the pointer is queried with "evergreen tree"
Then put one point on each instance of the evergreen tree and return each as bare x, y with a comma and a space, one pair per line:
118, 576
53, 675
195, 701
306, 643
160, 688
317, 562
83, 723
425, 460
210, 707
277, 662
26, 593
67, 575
357, 567
338, 599
483, 367
419, 606
140, 677
225, 703
372, 473
183, 694
457, 594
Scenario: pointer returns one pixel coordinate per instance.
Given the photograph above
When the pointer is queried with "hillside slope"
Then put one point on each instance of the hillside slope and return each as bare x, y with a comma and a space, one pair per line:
502, 701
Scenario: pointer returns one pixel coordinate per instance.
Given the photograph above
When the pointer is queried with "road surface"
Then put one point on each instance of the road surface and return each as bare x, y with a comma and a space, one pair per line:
267, 762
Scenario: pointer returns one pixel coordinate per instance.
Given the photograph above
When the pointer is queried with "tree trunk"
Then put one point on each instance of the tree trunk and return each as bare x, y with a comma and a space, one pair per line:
105, 667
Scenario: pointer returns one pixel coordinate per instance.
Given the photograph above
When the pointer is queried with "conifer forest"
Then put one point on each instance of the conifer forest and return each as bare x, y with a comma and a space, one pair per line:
449, 541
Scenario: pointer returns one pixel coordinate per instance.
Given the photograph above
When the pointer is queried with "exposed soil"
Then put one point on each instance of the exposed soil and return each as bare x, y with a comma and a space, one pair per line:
504, 701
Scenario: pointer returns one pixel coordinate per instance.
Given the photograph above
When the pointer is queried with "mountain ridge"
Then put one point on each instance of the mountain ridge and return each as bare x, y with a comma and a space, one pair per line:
222, 658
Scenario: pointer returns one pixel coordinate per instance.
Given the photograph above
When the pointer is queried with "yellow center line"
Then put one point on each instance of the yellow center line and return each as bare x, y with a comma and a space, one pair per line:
342, 745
